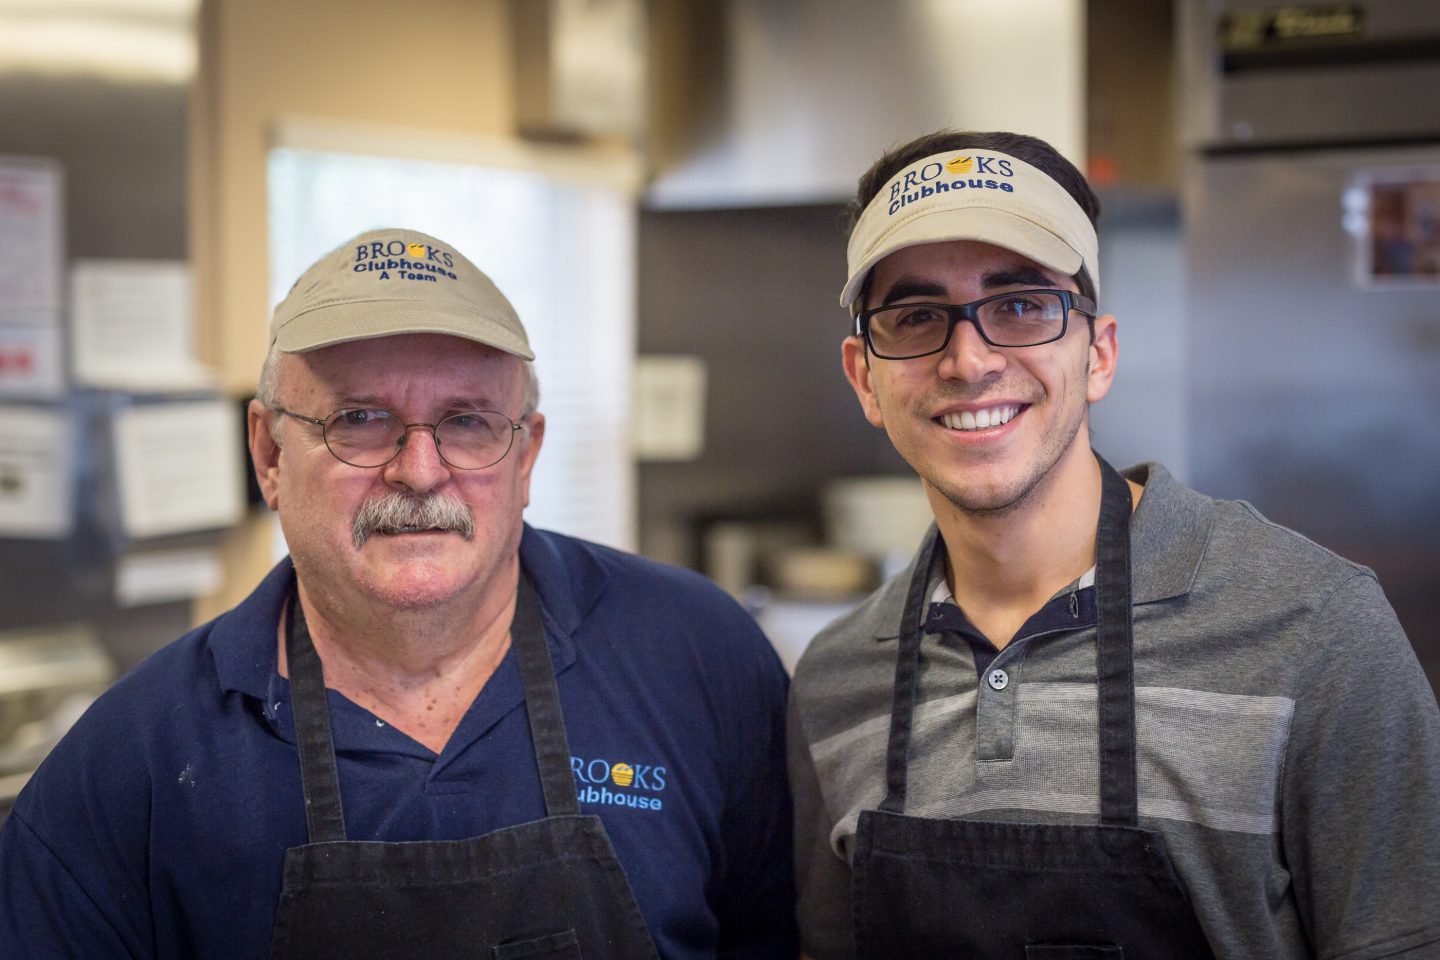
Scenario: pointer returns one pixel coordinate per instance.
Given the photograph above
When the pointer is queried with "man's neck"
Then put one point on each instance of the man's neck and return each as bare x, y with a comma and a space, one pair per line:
1003, 567
418, 669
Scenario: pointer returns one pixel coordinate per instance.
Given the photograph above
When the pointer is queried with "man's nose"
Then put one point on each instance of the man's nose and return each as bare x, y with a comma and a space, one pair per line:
968, 357
418, 466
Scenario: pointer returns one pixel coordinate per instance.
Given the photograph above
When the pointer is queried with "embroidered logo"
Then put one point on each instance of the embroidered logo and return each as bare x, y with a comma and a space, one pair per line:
637, 785
408, 261
977, 172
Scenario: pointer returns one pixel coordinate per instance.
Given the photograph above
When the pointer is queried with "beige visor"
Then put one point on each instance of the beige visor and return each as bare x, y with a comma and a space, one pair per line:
973, 195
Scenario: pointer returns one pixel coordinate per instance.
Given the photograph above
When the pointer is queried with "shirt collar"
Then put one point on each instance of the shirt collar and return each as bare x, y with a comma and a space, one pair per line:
940, 591
1169, 534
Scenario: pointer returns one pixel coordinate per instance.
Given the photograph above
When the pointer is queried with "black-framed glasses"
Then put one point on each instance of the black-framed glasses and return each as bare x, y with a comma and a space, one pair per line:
371, 437
1021, 318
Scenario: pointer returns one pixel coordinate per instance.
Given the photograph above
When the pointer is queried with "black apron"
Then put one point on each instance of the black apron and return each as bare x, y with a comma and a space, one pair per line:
928, 888
551, 888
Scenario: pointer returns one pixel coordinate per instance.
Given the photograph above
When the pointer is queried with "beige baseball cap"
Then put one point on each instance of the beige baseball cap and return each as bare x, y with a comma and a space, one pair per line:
392, 281
973, 195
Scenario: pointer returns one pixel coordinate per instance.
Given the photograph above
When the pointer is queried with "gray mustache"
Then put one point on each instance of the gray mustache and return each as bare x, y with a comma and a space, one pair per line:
397, 511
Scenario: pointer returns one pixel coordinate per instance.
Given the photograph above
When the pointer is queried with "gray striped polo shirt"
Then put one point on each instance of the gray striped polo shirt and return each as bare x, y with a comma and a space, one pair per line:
1288, 741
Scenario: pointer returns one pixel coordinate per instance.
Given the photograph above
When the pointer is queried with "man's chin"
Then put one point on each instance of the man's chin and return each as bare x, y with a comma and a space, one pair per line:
993, 490
402, 593
409, 575
983, 501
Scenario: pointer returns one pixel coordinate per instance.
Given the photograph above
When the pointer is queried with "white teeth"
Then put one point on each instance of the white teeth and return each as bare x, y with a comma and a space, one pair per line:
981, 419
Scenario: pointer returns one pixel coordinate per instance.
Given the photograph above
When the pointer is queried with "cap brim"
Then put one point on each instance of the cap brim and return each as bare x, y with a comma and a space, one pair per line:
986, 224
367, 319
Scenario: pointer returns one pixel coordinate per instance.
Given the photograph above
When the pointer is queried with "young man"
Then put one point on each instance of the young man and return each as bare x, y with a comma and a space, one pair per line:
1099, 715
432, 731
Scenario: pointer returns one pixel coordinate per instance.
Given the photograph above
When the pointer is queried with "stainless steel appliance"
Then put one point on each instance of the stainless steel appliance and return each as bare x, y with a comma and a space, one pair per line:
1314, 376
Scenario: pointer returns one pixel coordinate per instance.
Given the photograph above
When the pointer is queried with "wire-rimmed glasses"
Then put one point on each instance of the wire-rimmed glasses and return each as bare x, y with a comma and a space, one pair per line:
371, 437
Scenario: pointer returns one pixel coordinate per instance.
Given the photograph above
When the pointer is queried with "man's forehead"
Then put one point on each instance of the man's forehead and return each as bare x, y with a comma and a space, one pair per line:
958, 261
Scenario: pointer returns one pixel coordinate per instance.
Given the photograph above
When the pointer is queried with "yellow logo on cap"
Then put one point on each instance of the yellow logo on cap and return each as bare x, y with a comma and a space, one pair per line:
416, 250
961, 165
623, 774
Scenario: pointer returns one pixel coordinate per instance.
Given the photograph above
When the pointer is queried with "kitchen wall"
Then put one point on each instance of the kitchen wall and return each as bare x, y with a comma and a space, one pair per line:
116, 126
754, 292
119, 132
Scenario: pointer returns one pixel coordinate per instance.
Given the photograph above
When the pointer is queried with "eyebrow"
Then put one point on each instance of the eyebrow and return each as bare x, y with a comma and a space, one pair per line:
451, 403
1017, 277
907, 287
357, 400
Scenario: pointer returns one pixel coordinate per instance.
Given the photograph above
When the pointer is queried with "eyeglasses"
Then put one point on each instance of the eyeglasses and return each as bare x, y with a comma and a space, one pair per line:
369, 437
1023, 318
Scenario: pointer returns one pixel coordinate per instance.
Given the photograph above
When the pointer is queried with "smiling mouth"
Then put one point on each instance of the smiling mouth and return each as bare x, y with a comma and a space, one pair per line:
980, 419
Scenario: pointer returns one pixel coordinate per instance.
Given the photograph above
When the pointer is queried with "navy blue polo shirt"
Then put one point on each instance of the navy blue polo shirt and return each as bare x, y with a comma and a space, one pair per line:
158, 826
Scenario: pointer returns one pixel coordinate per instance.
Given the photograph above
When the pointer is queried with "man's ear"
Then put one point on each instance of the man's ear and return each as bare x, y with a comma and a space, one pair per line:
857, 370
264, 451
1104, 356
533, 437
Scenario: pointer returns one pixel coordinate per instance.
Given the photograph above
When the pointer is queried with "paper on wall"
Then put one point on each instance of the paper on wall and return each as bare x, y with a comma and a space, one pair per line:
30, 259
166, 576
36, 476
30, 363
30, 225
669, 407
132, 325
179, 467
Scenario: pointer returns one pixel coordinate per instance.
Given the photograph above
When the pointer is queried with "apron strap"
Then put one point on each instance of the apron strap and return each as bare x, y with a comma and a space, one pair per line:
542, 703
318, 777
1114, 662
907, 672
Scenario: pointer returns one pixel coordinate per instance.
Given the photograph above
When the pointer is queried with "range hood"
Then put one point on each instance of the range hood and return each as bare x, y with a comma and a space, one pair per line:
769, 102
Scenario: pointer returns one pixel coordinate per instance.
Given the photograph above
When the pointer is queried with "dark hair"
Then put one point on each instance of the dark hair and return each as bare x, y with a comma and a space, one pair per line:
1032, 150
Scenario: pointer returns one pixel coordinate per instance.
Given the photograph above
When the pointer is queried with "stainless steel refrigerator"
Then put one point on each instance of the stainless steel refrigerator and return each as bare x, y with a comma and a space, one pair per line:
1311, 207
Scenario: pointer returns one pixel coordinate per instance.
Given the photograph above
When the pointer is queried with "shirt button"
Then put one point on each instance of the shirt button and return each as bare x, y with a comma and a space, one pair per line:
998, 679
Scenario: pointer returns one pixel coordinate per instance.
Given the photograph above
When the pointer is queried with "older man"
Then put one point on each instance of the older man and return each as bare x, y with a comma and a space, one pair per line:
1100, 715
433, 731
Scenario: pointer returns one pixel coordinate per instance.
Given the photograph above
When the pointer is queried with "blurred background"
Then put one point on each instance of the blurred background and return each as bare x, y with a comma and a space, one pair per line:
659, 186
